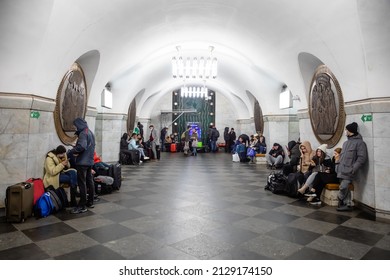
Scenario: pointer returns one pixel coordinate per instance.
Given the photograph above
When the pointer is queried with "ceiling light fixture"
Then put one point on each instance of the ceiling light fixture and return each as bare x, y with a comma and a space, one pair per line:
202, 68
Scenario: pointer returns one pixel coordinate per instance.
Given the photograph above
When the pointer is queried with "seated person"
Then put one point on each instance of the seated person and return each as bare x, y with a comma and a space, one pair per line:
98, 163
133, 146
294, 155
168, 139
275, 157
323, 178
262, 145
320, 162
241, 149
57, 171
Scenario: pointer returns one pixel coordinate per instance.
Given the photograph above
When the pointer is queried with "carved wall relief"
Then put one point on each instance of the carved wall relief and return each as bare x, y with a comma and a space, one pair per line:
326, 107
258, 118
71, 103
131, 114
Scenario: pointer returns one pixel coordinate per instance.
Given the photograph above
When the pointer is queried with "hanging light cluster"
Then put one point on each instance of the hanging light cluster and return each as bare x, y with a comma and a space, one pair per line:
202, 68
196, 92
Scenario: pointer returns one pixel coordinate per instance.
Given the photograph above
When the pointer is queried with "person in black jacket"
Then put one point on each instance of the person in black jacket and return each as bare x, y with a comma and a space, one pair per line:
275, 157
294, 155
232, 140
83, 153
226, 138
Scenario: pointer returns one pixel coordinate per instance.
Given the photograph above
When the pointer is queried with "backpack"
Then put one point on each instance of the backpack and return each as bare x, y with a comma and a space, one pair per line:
294, 181
55, 200
277, 183
43, 206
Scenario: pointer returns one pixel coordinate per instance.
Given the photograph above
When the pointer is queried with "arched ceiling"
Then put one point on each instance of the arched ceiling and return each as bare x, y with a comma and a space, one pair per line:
257, 43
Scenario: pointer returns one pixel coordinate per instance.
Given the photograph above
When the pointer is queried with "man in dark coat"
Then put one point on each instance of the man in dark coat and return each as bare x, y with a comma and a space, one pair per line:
353, 157
83, 155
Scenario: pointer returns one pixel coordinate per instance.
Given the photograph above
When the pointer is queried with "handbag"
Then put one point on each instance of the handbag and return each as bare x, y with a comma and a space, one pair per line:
251, 152
236, 157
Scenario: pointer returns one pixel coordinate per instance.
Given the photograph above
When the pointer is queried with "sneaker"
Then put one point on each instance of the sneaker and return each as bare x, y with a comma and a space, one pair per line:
78, 210
344, 208
90, 205
146, 158
310, 199
311, 194
315, 201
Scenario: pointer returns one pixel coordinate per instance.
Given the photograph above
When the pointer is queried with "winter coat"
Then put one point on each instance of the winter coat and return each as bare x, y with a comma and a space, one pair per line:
124, 142
352, 157
295, 153
53, 168
306, 157
85, 145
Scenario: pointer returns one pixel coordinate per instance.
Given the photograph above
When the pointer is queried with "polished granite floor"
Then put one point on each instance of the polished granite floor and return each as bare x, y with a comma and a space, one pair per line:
204, 207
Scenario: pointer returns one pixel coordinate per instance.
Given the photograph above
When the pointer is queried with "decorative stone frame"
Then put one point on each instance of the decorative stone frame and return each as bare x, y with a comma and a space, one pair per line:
326, 107
71, 103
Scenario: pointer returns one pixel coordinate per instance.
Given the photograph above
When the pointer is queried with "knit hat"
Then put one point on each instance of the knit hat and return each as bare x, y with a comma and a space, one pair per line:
352, 127
322, 148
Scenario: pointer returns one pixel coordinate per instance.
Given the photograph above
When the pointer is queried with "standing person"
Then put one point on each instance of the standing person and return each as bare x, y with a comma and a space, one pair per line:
226, 138
163, 136
232, 139
83, 154
353, 157
194, 139
141, 129
186, 139
153, 139
214, 138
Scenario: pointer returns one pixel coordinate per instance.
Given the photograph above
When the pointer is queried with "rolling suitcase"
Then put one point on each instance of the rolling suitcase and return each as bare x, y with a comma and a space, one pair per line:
134, 157
116, 174
173, 148
19, 202
39, 188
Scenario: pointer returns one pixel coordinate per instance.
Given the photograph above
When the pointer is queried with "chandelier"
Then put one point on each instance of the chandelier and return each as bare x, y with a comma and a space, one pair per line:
202, 68
195, 92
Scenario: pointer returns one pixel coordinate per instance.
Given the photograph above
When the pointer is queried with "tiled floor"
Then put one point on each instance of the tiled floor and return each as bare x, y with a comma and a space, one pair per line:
203, 207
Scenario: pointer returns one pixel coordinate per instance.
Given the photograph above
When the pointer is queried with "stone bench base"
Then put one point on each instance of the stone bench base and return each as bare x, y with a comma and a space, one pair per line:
260, 159
329, 194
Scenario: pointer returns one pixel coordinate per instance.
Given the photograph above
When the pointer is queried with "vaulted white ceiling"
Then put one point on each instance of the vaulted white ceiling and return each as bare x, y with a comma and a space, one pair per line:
130, 43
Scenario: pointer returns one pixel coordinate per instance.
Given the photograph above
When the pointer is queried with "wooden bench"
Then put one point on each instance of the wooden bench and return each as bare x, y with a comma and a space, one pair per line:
329, 194
260, 159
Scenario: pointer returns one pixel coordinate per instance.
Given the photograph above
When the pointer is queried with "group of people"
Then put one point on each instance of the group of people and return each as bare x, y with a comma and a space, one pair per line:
135, 141
74, 167
317, 169
248, 146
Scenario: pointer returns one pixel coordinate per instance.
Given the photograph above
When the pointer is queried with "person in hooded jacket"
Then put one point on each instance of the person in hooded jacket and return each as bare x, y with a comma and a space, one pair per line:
320, 162
307, 154
353, 157
323, 178
83, 155
294, 155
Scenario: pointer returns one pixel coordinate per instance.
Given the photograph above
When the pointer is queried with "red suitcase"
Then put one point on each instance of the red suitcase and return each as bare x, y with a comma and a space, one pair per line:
173, 148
